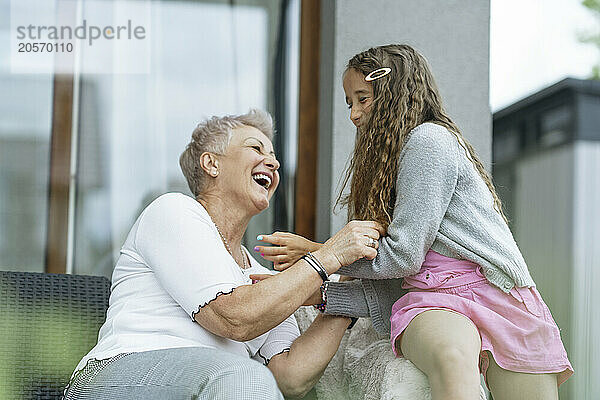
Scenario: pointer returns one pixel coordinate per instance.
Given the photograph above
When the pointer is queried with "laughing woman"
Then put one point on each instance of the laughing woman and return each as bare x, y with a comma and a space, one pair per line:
185, 320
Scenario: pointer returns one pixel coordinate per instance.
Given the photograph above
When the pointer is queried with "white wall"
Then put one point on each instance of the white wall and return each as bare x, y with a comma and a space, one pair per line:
453, 35
585, 317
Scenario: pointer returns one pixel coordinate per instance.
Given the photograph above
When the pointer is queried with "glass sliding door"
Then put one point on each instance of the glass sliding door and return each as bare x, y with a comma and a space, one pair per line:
206, 58
25, 128
89, 137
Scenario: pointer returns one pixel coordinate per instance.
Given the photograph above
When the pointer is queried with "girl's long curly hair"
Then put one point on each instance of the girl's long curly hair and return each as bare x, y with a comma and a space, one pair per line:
403, 99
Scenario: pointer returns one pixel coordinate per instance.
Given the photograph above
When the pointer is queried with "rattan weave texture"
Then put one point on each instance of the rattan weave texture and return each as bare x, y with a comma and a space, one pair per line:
48, 322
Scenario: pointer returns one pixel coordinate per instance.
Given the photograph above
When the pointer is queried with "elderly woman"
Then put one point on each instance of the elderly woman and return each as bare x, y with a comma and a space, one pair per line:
185, 320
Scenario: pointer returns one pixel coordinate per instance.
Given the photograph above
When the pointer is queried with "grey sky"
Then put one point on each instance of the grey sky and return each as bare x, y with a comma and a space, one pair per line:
534, 44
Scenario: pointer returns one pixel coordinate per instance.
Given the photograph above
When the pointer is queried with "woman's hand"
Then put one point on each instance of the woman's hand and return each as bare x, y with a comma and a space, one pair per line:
356, 240
286, 250
315, 298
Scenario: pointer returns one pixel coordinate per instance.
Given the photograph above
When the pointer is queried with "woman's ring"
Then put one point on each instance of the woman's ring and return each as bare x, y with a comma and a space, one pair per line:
372, 242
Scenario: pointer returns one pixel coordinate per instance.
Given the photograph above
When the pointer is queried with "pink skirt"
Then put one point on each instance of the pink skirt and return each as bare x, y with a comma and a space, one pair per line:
516, 328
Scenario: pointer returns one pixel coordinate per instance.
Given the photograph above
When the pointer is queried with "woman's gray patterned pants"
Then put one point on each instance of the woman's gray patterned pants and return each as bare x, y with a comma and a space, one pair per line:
181, 373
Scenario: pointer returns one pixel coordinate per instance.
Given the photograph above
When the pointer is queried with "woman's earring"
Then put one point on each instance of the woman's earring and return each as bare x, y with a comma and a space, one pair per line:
214, 172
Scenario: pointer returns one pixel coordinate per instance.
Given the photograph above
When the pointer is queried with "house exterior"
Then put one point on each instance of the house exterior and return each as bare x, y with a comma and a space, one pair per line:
546, 167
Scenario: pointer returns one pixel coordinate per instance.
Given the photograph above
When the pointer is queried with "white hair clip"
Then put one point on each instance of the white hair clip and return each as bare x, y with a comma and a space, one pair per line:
378, 73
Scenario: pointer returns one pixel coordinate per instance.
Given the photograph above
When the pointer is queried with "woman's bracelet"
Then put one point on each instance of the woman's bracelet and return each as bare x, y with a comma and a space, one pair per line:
316, 264
321, 307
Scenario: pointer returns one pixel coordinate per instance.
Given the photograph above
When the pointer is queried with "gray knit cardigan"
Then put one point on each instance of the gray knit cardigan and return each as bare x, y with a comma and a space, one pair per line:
442, 204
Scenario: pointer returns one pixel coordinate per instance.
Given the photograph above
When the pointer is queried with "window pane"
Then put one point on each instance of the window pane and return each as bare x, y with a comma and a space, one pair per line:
133, 127
506, 145
25, 126
555, 126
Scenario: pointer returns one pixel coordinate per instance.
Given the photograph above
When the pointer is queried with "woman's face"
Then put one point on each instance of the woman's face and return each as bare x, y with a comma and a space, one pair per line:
248, 171
359, 96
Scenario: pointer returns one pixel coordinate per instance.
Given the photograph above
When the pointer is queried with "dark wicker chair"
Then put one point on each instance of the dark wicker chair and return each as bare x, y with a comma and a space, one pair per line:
48, 322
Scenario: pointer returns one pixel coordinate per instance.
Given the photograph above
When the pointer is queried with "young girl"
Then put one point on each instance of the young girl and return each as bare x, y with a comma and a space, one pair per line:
471, 304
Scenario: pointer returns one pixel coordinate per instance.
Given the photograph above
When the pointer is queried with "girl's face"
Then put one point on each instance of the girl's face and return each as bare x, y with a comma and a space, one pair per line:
359, 96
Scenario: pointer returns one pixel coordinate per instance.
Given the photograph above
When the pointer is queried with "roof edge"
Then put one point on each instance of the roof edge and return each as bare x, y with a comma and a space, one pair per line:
588, 86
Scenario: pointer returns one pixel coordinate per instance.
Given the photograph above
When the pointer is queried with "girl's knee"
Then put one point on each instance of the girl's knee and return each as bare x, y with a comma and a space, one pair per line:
455, 364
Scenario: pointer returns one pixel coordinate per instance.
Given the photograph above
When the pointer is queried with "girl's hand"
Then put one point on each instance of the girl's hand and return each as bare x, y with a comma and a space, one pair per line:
315, 298
286, 250
259, 277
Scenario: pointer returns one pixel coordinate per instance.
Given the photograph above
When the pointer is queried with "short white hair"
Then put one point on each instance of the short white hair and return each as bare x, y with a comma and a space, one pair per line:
213, 135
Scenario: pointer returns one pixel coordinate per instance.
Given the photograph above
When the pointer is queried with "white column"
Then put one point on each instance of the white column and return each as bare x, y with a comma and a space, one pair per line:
452, 35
